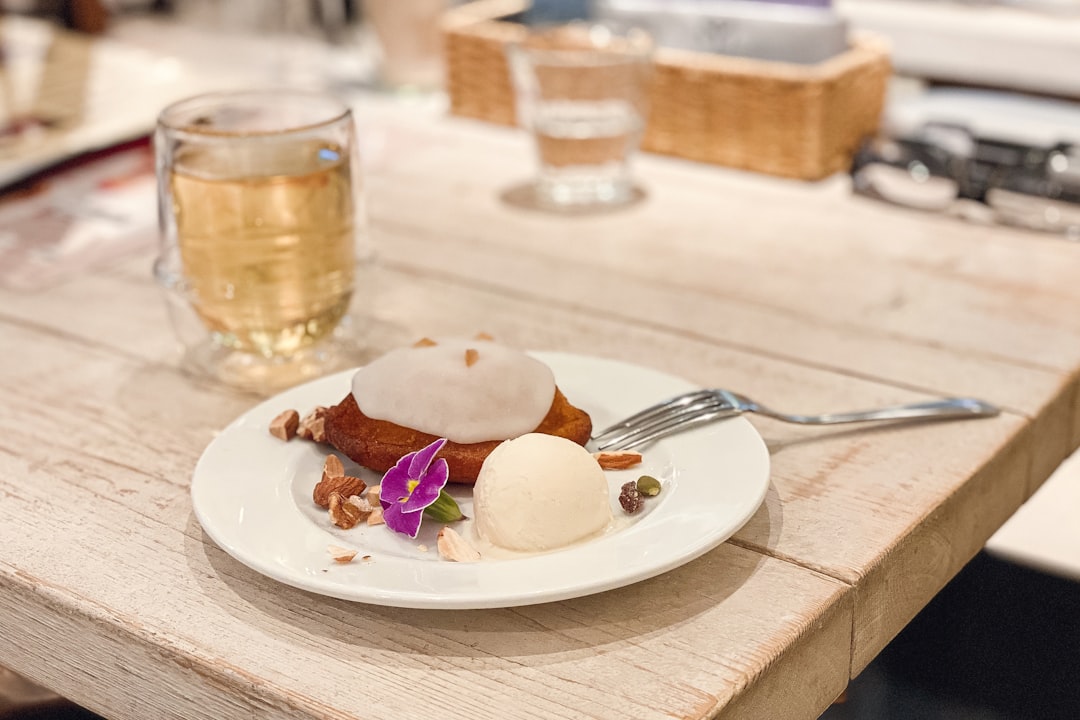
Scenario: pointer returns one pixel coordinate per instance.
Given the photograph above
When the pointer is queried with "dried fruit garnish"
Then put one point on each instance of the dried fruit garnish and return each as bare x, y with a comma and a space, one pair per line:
630, 498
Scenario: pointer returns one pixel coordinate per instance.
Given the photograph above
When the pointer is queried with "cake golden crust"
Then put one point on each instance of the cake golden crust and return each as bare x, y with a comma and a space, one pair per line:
378, 444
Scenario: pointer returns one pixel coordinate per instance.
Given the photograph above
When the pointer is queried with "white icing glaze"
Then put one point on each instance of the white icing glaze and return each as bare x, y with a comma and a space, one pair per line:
504, 394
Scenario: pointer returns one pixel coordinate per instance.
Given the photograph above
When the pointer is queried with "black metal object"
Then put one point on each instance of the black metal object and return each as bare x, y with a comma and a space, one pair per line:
941, 164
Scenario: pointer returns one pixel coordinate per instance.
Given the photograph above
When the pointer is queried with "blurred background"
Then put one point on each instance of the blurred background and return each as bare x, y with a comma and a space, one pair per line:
979, 118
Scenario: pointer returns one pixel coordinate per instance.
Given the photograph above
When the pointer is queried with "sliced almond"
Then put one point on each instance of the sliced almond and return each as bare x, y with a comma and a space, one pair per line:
455, 548
425, 342
284, 426
471, 356
375, 518
618, 459
373, 494
340, 554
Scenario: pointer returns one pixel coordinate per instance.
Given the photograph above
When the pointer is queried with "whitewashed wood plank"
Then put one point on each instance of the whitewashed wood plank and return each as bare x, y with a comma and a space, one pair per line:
99, 316
806, 249
687, 311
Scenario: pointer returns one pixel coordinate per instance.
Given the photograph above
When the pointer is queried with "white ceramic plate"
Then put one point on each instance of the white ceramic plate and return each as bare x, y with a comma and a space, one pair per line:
252, 494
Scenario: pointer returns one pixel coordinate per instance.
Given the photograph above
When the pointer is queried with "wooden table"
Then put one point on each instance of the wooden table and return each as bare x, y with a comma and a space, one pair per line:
799, 295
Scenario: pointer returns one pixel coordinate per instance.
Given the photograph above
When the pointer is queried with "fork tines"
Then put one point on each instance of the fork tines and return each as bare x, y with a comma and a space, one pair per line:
661, 419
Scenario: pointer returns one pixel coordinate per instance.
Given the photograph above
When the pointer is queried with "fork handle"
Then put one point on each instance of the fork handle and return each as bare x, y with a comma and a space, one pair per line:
940, 409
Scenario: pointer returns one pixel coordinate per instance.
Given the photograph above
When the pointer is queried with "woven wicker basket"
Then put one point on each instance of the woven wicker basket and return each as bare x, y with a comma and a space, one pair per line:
797, 121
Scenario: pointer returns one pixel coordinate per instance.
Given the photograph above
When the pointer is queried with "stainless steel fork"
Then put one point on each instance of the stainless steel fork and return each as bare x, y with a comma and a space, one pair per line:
705, 406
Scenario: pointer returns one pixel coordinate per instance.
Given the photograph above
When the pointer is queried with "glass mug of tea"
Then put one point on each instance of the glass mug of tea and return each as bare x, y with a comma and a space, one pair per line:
260, 214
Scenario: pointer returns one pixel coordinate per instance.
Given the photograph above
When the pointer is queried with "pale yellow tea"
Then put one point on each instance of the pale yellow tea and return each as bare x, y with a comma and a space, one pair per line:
266, 240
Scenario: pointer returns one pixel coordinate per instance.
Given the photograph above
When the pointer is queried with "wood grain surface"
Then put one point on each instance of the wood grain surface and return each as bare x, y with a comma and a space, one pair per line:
800, 296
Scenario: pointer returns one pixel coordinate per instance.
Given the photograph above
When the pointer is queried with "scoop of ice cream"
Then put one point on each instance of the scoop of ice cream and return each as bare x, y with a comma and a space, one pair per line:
540, 492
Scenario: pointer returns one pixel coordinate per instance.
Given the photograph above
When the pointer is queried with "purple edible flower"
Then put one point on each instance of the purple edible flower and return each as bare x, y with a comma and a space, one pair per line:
413, 484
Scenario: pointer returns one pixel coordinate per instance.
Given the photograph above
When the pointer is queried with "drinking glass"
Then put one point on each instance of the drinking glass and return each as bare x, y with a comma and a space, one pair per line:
260, 212
582, 90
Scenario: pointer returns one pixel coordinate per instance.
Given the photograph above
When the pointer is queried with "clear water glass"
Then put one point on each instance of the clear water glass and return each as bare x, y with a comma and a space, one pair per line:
582, 91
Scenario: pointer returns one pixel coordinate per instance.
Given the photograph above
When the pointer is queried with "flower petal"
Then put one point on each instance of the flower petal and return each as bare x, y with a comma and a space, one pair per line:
421, 459
402, 522
427, 491
395, 482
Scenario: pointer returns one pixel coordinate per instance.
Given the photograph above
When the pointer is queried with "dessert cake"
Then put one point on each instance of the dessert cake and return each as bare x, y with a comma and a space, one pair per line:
475, 393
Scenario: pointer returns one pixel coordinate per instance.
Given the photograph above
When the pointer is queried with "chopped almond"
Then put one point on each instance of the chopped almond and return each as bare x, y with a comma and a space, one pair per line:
425, 342
363, 505
343, 514
284, 426
345, 486
471, 356
313, 425
333, 467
